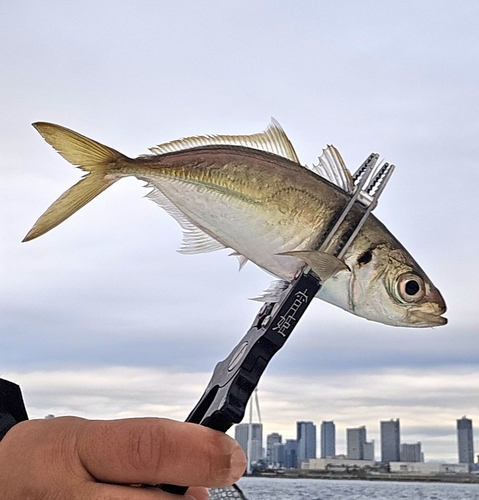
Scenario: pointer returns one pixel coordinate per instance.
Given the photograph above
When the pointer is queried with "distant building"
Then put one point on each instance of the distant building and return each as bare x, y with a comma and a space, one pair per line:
277, 455
368, 450
390, 439
421, 468
271, 440
306, 439
328, 439
411, 453
465, 443
356, 438
241, 435
336, 463
290, 454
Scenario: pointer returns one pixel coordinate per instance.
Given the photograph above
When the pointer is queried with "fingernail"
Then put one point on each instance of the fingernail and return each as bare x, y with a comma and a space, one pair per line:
237, 463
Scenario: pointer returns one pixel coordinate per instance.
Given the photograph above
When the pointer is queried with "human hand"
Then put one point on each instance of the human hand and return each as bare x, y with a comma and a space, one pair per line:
69, 458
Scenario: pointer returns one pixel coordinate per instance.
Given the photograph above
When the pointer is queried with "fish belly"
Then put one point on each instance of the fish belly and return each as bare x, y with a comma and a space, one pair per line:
336, 291
254, 230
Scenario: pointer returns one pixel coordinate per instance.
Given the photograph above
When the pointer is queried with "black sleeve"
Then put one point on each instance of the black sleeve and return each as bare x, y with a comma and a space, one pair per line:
12, 407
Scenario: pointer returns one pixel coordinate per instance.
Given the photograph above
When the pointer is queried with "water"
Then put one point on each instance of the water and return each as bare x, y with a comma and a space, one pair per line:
316, 489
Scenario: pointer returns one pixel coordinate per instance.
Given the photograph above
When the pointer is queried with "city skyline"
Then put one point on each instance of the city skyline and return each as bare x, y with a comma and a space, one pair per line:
395, 449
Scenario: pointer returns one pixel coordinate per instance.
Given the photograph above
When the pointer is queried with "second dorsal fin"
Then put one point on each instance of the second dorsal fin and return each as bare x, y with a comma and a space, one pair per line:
273, 140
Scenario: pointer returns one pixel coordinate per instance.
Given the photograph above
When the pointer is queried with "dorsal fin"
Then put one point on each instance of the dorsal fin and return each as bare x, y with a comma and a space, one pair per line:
273, 140
331, 166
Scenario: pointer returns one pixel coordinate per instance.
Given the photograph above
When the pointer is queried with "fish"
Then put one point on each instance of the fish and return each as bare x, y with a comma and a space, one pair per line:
251, 194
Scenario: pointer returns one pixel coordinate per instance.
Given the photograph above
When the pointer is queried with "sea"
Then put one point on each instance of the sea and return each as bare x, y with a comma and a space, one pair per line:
261, 488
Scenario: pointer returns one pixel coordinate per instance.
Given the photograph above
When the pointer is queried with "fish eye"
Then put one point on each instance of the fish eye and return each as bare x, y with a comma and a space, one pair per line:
410, 287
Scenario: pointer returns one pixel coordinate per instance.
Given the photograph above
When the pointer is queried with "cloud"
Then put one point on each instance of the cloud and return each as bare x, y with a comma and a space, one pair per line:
427, 401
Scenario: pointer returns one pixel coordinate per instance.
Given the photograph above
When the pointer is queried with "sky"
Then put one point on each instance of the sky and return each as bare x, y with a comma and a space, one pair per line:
102, 318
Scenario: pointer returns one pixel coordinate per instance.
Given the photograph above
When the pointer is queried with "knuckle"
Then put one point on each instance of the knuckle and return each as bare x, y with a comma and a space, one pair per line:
148, 448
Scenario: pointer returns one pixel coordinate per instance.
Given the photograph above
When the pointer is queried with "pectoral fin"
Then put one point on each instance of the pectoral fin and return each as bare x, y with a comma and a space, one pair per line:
323, 264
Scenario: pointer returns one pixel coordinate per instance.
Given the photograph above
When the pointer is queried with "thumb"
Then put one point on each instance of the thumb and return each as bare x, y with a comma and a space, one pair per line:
155, 450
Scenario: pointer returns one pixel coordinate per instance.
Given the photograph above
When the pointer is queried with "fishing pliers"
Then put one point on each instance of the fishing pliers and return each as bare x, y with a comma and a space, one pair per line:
235, 378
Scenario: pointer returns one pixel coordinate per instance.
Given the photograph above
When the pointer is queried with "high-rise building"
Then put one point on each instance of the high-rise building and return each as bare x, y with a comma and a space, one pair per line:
328, 439
241, 435
271, 440
465, 441
411, 453
356, 438
368, 449
390, 439
306, 438
277, 455
290, 454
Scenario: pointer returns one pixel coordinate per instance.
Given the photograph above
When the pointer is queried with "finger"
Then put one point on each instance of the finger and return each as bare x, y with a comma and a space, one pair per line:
153, 450
198, 493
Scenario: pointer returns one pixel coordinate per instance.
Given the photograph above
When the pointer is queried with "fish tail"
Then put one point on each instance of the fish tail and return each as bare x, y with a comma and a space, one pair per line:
99, 161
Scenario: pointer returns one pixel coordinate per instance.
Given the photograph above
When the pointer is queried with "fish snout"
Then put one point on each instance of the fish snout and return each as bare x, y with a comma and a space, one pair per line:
429, 313
435, 298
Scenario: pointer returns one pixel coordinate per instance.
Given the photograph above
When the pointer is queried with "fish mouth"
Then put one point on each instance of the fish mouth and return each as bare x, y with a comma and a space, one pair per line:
429, 313
426, 319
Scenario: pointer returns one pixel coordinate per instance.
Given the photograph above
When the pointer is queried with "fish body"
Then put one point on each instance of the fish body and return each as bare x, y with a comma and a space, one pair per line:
256, 203
250, 194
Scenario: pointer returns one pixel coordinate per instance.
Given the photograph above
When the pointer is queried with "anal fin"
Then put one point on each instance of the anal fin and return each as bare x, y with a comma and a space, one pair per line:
241, 258
273, 292
195, 240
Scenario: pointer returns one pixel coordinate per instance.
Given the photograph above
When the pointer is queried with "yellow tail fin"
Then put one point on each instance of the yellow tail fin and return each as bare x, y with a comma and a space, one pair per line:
92, 157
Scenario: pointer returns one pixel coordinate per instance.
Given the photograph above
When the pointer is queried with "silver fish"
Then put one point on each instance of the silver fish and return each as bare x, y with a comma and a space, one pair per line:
250, 193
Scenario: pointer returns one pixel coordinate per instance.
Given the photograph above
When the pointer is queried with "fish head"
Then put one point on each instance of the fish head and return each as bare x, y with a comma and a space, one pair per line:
388, 286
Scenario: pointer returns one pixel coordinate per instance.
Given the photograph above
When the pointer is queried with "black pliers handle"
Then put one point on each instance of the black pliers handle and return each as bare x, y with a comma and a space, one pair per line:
234, 379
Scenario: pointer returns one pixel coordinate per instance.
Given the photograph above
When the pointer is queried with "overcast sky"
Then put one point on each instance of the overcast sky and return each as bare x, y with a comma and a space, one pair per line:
101, 317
